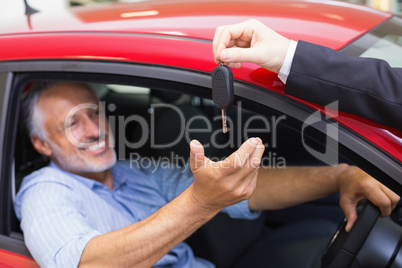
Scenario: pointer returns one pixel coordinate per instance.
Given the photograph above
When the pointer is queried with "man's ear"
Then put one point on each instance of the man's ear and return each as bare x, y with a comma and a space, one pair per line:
41, 146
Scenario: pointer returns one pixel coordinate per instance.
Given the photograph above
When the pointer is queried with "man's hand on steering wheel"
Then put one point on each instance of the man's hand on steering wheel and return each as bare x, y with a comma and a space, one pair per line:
354, 185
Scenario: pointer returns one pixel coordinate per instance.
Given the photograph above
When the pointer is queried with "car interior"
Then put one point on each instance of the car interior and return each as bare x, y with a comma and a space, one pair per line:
146, 115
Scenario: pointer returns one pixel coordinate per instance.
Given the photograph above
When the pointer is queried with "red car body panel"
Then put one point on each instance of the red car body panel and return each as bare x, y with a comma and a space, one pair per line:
12, 260
199, 19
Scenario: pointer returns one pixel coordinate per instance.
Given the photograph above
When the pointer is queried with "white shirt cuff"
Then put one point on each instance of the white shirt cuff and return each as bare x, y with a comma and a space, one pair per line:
287, 63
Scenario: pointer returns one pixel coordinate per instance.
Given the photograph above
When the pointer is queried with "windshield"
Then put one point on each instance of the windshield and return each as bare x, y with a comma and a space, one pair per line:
384, 42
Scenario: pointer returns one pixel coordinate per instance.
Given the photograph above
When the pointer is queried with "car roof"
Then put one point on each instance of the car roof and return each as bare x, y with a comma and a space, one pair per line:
179, 33
329, 23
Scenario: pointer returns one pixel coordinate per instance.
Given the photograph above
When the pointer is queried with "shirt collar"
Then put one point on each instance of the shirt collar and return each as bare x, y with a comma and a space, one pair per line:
118, 178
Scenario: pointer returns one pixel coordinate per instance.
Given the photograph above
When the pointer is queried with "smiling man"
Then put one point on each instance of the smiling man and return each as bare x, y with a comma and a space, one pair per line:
94, 154
87, 209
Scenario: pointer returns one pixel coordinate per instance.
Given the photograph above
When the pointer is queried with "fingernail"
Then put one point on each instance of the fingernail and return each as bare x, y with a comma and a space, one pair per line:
195, 144
225, 55
237, 65
254, 141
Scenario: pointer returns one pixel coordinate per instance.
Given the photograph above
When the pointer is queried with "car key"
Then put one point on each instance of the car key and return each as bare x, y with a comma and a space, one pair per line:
222, 90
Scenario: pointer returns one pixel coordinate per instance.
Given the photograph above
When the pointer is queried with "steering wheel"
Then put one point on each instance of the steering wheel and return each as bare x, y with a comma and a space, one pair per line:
344, 246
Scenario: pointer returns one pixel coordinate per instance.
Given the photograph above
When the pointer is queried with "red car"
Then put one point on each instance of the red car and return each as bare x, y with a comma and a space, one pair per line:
154, 59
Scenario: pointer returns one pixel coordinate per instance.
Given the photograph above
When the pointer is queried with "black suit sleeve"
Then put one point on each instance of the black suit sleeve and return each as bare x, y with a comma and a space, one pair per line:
367, 87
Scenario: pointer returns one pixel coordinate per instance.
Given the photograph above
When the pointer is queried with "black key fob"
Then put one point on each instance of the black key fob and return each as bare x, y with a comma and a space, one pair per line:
222, 86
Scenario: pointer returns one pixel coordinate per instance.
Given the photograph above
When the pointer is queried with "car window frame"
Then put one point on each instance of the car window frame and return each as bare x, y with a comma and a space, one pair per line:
5, 79
9, 241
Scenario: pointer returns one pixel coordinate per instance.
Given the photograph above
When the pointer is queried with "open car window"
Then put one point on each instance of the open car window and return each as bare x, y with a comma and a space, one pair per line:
159, 124
154, 126
143, 111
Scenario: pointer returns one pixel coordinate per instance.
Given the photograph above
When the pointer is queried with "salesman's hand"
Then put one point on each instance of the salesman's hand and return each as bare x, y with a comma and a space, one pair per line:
250, 41
221, 184
354, 185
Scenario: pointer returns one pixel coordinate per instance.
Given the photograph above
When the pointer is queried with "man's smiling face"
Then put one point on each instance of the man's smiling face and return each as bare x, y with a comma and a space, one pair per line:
77, 134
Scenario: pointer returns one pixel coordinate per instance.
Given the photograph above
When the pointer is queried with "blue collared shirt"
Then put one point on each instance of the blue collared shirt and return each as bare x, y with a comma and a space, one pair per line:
61, 212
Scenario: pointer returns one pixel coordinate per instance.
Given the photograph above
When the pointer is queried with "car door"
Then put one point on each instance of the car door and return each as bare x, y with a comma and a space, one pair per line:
294, 133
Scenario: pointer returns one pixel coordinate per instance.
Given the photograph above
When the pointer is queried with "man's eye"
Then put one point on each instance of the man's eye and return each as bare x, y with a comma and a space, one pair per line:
94, 113
71, 124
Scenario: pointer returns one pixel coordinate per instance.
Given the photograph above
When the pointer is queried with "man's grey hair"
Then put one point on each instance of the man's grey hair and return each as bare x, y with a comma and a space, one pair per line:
32, 114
